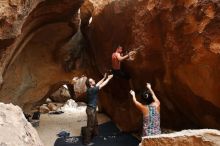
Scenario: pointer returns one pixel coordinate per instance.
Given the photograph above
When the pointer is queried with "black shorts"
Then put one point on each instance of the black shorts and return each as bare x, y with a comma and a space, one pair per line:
121, 74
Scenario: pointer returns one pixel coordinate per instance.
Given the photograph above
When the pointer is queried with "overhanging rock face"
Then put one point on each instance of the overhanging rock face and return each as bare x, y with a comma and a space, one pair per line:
181, 58
203, 137
31, 57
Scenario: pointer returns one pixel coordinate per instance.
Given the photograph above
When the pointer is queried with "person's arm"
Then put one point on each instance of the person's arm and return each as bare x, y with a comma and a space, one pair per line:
120, 58
106, 81
139, 106
102, 80
153, 94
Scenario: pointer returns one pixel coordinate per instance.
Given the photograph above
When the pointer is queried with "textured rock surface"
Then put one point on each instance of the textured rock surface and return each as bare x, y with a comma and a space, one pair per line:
181, 57
204, 137
32, 63
15, 129
13, 15
33, 75
61, 95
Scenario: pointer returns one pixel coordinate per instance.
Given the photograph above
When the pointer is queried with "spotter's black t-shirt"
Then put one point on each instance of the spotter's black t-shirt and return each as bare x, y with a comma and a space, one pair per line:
92, 96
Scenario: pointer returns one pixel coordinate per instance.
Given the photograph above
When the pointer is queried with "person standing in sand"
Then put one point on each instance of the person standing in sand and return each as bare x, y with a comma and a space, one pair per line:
92, 97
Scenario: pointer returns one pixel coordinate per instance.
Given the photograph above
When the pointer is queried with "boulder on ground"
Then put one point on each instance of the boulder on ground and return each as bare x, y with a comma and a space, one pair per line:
15, 129
70, 105
44, 109
202, 137
52, 106
61, 95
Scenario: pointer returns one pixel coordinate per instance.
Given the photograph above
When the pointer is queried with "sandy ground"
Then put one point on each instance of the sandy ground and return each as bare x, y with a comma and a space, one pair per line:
70, 121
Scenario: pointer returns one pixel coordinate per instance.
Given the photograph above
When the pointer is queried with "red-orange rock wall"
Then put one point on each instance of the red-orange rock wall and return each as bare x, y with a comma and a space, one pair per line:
29, 63
181, 58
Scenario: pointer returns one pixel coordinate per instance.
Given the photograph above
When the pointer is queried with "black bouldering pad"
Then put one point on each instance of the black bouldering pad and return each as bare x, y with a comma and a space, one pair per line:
109, 135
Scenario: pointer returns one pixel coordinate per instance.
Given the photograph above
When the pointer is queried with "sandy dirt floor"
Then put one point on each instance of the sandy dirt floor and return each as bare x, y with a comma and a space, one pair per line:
71, 121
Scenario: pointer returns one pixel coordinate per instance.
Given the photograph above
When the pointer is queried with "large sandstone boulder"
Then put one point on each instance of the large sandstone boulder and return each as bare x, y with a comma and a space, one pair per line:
181, 58
31, 55
15, 129
203, 137
61, 95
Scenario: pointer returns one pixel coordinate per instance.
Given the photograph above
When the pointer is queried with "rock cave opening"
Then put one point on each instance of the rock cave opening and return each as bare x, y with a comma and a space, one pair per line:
45, 44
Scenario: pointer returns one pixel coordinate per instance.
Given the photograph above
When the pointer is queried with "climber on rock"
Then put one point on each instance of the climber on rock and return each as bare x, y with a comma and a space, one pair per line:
92, 97
117, 57
150, 110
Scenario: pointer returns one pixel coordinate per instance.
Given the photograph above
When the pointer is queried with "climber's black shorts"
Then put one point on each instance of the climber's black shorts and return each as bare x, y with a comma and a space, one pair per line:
121, 74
